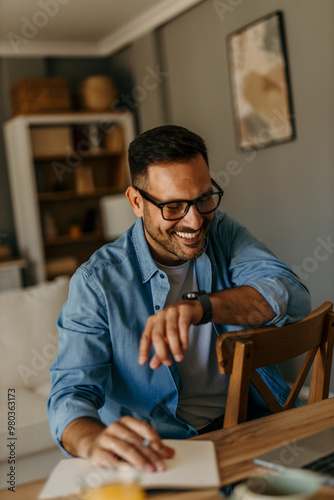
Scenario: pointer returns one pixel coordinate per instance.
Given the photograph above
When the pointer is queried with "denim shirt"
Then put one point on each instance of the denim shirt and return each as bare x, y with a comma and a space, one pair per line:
96, 373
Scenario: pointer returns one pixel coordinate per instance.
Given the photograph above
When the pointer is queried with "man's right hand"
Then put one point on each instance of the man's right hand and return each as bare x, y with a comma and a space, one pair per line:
128, 439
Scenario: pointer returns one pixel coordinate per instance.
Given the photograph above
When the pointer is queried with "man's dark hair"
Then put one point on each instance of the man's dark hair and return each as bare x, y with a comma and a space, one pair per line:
164, 144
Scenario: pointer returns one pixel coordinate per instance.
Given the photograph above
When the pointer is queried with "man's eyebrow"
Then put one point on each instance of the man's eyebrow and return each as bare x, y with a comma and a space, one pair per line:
208, 191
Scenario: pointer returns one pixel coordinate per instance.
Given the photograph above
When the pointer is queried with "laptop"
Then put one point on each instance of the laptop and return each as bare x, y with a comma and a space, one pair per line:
314, 453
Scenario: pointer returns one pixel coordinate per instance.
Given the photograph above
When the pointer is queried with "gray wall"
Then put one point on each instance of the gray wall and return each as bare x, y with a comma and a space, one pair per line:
11, 70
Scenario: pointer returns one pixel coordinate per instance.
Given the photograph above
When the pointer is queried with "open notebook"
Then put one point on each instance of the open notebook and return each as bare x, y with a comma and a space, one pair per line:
193, 466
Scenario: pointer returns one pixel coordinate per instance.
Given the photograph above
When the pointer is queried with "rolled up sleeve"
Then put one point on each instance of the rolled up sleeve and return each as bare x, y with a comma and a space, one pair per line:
253, 264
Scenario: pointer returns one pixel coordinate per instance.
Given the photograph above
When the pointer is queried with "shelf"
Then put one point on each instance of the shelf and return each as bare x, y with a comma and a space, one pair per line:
12, 264
54, 196
49, 176
93, 153
66, 239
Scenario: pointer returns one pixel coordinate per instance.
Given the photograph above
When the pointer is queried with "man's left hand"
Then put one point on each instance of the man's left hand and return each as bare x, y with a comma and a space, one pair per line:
168, 331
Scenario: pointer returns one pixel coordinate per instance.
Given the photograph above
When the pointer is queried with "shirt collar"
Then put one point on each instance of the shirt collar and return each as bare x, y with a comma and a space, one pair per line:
146, 264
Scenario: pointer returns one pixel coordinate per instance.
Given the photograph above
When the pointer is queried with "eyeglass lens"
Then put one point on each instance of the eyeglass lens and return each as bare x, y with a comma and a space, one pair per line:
178, 209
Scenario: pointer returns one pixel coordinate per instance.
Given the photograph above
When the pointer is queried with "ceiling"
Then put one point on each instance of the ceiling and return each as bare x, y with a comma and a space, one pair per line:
74, 28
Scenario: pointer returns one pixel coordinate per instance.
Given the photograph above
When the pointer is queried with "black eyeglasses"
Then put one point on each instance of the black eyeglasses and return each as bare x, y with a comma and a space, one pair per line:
177, 209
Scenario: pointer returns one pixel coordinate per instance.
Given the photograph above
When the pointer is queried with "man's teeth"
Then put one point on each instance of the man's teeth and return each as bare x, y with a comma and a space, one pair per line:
188, 236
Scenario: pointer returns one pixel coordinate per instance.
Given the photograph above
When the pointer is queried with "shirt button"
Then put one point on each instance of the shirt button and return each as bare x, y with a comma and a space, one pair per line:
157, 308
162, 276
193, 433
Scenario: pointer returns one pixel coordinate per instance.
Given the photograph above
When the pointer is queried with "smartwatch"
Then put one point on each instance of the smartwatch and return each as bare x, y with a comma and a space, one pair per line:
203, 298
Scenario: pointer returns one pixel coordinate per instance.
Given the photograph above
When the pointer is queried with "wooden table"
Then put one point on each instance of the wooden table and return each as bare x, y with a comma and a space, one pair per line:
236, 447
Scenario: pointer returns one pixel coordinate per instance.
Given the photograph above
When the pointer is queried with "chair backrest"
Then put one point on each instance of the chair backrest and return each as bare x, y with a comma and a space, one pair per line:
240, 353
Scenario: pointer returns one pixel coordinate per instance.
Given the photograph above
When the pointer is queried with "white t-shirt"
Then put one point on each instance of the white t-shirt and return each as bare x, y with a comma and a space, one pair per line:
203, 391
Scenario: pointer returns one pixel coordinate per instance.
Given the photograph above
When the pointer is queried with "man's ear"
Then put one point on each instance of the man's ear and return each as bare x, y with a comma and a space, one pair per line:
135, 200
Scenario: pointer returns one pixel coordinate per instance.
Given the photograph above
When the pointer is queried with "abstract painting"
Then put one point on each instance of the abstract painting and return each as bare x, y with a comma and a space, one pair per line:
261, 93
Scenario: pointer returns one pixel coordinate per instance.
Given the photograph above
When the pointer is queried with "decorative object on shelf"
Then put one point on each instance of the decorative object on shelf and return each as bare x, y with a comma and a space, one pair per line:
50, 228
49, 141
75, 229
94, 137
40, 95
97, 93
89, 221
260, 84
114, 139
84, 182
5, 252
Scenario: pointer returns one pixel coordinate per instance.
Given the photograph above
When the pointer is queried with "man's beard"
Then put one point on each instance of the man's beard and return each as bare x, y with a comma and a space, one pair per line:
168, 243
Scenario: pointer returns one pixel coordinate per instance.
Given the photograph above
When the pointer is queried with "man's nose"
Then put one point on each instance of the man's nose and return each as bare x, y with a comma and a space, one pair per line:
193, 218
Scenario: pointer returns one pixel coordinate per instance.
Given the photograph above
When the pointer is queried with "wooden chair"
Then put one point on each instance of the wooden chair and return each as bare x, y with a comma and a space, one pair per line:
241, 353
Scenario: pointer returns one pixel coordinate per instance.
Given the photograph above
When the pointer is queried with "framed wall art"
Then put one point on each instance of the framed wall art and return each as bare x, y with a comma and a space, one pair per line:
261, 92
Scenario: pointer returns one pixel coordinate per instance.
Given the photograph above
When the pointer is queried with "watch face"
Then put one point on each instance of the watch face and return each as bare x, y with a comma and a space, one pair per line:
193, 295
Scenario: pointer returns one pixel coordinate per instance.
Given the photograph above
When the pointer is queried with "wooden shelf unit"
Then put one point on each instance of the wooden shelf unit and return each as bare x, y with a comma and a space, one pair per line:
60, 165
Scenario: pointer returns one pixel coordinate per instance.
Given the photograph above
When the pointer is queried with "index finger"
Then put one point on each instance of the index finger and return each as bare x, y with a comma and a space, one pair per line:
144, 347
149, 435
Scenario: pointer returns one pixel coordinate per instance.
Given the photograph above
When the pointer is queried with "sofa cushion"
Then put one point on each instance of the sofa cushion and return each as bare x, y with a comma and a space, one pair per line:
43, 389
31, 423
28, 332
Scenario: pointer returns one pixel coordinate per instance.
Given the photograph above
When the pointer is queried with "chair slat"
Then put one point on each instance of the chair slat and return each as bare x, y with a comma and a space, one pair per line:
319, 387
237, 398
299, 382
265, 392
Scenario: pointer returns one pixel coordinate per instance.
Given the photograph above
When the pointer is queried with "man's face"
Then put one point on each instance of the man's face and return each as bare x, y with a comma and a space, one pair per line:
173, 242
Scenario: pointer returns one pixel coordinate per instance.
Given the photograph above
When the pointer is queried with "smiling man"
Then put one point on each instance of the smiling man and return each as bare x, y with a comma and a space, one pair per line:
136, 359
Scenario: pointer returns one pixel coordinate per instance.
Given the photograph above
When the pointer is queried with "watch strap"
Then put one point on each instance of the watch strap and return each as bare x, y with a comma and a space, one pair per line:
203, 298
207, 309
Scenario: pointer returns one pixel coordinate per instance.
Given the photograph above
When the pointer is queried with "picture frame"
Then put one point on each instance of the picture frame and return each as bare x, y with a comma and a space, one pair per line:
260, 84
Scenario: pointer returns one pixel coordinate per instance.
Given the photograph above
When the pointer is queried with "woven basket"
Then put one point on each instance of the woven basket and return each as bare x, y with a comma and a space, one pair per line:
40, 95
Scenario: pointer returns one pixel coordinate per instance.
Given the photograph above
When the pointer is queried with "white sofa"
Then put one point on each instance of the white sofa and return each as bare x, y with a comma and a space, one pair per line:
28, 345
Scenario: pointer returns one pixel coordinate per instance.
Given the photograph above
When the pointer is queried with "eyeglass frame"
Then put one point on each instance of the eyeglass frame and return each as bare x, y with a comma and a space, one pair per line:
146, 197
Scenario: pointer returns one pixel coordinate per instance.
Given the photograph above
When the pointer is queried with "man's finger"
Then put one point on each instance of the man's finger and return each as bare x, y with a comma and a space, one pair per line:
147, 432
155, 362
144, 347
143, 429
184, 322
101, 457
172, 333
160, 343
